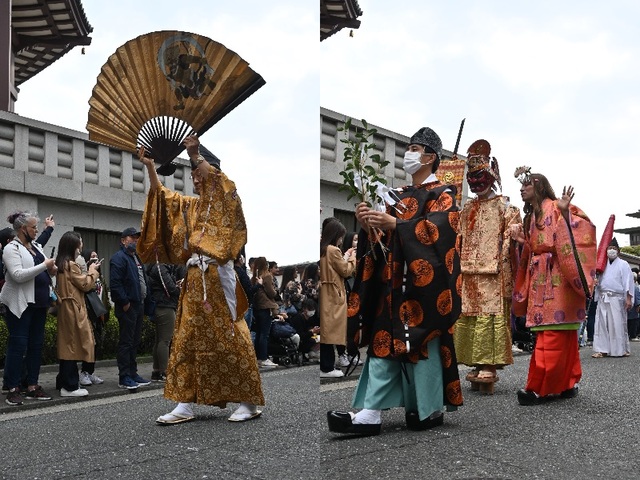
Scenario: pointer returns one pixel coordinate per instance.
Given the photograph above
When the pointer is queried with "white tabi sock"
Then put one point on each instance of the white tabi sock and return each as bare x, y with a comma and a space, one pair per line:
246, 408
183, 409
369, 417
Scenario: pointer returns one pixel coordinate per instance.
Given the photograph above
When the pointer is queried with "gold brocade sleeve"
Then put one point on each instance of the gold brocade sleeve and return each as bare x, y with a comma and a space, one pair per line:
164, 230
219, 230
175, 226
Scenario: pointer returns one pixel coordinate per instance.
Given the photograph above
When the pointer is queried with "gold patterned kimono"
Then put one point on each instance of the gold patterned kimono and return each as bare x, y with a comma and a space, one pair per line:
212, 360
483, 331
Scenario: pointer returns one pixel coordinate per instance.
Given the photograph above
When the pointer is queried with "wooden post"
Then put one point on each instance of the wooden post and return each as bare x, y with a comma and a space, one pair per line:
8, 91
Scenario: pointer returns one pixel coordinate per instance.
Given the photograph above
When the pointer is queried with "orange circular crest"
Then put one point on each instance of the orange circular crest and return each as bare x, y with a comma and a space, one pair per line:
444, 202
427, 233
446, 356
367, 270
449, 258
444, 303
422, 272
382, 344
454, 392
400, 347
410, 208
411, 312
353, 304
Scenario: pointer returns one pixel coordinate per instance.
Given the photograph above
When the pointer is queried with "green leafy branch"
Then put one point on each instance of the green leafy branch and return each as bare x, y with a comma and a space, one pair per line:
363, 172
360, 178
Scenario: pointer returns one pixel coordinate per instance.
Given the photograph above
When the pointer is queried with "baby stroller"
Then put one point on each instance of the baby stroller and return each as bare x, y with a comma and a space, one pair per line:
282, 347
521, 336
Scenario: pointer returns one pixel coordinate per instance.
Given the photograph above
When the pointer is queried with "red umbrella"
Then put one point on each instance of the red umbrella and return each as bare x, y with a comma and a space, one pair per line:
607, 235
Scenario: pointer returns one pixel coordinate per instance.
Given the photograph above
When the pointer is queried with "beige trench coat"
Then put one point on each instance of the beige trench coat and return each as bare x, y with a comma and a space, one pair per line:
333, 302
75, 335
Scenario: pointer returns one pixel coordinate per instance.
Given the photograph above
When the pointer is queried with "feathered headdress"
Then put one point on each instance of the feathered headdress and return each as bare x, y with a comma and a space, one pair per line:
478, 159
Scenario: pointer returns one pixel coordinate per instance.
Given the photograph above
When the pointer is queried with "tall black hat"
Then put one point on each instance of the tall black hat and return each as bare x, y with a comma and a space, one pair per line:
430, 139
209, 157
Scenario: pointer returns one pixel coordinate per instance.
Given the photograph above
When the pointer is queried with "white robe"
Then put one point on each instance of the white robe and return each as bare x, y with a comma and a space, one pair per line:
610, 334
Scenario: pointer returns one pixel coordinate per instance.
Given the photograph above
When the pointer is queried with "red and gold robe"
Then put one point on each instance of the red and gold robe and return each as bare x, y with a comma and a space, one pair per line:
549, 290
483, 332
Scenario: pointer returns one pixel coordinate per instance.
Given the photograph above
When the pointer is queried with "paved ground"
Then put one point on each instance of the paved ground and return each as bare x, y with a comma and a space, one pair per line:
117, 437
113, 434
595, 435
107, 371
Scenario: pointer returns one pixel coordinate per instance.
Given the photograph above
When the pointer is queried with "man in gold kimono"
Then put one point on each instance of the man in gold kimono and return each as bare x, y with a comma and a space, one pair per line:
483, 332
212, 360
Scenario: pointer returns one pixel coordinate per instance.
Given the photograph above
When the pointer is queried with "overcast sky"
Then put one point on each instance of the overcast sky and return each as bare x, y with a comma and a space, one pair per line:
552, 85
268, 145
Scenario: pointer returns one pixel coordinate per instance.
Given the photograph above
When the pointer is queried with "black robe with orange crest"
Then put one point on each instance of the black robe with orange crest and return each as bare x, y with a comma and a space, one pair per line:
414, 288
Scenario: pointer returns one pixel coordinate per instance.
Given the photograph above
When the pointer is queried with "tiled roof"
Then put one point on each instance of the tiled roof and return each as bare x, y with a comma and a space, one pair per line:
43, 31
338, 14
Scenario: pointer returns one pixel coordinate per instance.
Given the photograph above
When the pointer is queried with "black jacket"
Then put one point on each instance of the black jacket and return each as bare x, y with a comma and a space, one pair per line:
245, 281
125, 282
159, 273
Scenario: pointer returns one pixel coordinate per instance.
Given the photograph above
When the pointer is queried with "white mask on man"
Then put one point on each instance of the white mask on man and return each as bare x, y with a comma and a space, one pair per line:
612, 253
411, 162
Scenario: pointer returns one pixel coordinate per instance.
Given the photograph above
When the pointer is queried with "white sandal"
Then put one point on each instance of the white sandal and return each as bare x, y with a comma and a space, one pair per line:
243, 417
173, 418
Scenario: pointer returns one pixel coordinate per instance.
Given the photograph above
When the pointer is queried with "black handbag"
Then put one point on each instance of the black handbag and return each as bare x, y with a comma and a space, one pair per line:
95, 307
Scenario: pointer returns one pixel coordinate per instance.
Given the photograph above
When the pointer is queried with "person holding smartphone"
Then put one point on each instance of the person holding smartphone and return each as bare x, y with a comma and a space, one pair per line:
26, 295
87, 370
75, 334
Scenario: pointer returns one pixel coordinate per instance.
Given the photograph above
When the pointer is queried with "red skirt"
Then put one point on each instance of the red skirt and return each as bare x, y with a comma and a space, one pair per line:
555, 362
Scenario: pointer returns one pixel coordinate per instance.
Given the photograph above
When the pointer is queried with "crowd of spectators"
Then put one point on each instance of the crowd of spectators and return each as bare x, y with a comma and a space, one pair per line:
282, 307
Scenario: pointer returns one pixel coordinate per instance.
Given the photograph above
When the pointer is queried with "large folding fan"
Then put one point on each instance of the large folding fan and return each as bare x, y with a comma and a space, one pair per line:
160, 87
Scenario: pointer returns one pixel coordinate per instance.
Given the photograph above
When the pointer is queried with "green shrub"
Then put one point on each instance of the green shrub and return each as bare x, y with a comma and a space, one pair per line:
49, 349
107, 346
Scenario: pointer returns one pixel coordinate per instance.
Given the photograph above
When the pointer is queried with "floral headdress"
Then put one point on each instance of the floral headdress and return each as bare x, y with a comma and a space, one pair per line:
523, 174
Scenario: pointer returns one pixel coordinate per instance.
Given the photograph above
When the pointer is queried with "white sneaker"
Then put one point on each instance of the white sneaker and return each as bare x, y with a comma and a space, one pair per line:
332, 374
96, 380
342, 361
85, 379
313, 355
267, 363
79, 392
